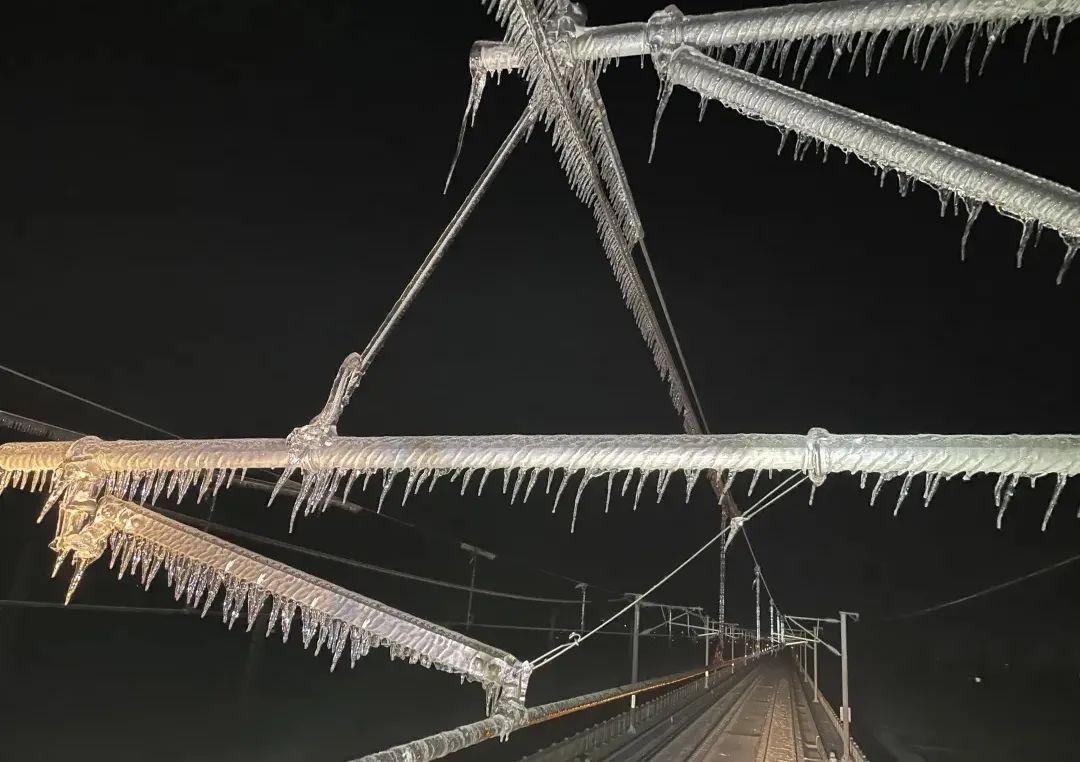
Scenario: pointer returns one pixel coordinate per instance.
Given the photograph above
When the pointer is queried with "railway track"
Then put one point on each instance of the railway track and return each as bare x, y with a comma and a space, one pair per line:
766, 720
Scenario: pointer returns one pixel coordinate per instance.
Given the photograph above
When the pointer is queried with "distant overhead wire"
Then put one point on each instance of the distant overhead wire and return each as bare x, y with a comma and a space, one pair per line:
674, 336
689, 380
763, 503
89, 402
104, 607
986, 591
262, 539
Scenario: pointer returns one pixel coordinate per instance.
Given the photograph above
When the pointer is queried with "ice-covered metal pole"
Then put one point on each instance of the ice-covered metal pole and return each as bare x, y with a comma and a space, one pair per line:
817, 454
634, 658
200, 567
145, 470
817, 636
845, 708
722, 612
757, 607
842, 19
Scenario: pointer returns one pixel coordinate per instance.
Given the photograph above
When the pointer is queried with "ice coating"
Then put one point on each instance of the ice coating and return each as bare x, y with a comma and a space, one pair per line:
569, 103
799, 32
199, 566
954, 173
147, 469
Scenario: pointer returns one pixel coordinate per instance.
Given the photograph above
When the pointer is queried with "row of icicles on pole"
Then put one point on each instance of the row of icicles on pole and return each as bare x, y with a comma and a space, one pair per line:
1030, 230
199, 584
772, 55
318, 488
776, 54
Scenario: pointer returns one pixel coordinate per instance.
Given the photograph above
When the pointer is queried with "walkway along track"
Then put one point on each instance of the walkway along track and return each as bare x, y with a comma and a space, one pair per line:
758, 714
768, 722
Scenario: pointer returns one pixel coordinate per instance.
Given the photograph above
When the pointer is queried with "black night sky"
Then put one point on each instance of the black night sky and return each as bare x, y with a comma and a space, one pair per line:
204, 206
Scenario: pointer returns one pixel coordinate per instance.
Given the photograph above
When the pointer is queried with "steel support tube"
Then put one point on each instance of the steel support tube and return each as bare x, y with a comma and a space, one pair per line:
789, 22
817, 454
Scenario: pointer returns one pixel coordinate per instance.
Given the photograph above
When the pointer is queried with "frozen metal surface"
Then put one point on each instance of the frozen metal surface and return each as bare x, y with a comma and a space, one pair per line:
144, 470
956, 175
199, 566
568, 102
803, 30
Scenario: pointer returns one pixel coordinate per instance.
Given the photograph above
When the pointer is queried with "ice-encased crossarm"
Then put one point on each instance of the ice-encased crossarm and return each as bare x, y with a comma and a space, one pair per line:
198, 566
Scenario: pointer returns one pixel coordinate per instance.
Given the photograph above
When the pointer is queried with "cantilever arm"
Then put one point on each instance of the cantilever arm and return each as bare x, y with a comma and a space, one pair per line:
199, 566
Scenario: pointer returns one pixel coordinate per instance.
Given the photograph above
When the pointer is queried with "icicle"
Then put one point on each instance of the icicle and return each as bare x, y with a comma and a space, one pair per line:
465, 479
862, 480
472, 105
353, 473
992, 31
783, 139
860, 40
640, 486
388, 481
1008, 496
935, 33
932, 482
954, 35
559, 491
728, 483
890, 38
944, 195
1025, 234
607, 500
998, 487
485, 473
410, 482
518, 480
813, 491
975, 29
903, 493
753, 482
533, 474
585, 478
1070, 252
1030, 37
701, 109
754, 48
691, 477
1058, 487
973, 209
1057, 34
838, 53
782, 57
666, 88
882, 478
661, 484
